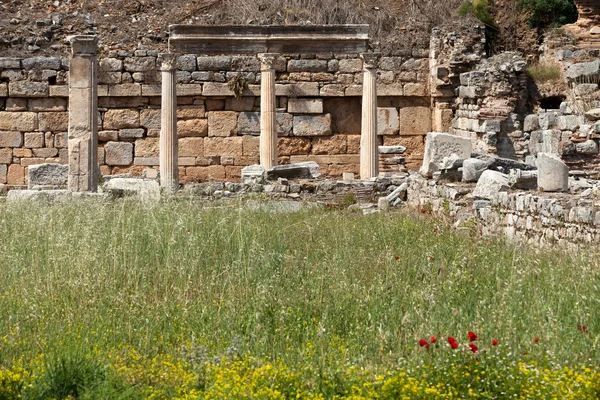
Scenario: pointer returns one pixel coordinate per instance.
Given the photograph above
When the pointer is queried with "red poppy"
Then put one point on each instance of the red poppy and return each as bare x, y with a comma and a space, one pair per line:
433, 339
423, 211
472, 337
494, 342
396, 258
436, 230
582, 328
431, 259
452, 342
423, 343
537, 339
473, 348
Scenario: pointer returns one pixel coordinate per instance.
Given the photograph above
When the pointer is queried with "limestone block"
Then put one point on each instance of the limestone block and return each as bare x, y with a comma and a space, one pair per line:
245, 64
299, 89
213, 63
569, 122
28, 89
109, 78
250, 146
119, 153
10, 63
531, 123
440, 145
45, 152
550, 141
222, 123
131, 133
53, 121
47, 175
47, 104
191, 147
587, 147
150, 118
337, 144
307, 66
139, 64
145, 190
222, 89
110, 65
583, 71
191, 112
203, 174
353, 90
121, 119
548, 119
284, 123
41, 63
58, 91
3, 89
3, 173
125, 90
490, 184
253, 173
393, 89
553, 173
333, 90
186, 63
312, 125
108, 136
201, 76
415, 120
249, 123
415, 89
473, 168
192, 128
593, 114
5, 155
391, 149
391, 63
352, 65
223, 146
34, 139
190, 89
242, 104
11, 139
388, 121
147, 147
15, 175
289, 146
302, 170
305, 106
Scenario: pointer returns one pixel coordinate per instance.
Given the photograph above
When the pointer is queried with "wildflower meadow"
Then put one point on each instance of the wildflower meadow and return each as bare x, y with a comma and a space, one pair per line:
182, 300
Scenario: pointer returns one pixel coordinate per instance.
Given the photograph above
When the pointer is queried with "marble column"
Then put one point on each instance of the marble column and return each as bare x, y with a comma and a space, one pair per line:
369, 160
169, 166
83, 115
268, 111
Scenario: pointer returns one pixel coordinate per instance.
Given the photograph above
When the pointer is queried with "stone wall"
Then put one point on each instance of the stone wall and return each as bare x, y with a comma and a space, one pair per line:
319, 108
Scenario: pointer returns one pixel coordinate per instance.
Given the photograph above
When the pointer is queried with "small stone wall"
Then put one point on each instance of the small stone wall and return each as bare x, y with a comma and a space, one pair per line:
319, 109
525, 217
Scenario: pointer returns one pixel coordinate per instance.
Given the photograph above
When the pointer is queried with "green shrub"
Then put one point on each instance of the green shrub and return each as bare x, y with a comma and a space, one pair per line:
478, 8
544, 71
550, 12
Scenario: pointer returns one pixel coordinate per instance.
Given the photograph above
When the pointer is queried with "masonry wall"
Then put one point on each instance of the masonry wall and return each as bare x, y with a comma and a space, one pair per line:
319, 112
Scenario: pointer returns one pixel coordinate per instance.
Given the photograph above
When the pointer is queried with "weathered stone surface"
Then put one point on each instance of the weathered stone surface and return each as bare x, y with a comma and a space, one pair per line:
309, 125
241, 104
337, 144
203, 174
253, 173
524, 180
192, 128
191, 147
350, 65
214, 63
191, 112
108, 136
415, 90
553, 173
15, 175
11, 139
294, 171
28, 89
110, 64
300, 89
392, 149
139, 64
47, 104
550, 141
119, 153
121, 119
440, 145
568, 122
531, 123
131, 133
291, 146
587, 147
415, 119
5, 155
399, 193
47, 175
10, 63
186, 63
305, 106
39, 195
147, 147
490, 184
388, 121
583, 71
150, 118
33, 139
307, 66
223, 146
222, 123
41, 63
145, 190
593, 114
472, 169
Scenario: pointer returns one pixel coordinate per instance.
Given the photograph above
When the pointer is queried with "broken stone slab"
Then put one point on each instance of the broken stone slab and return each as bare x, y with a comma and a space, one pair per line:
525, 180
399, 193
47, 175
451, 163
503, 165
593, 114
146, 190
583, 71
439, 145
587, 147
294, 171
313, 167
392, 149
553, 173
383, 204
253, 173
472, 169
490, 184
38, 195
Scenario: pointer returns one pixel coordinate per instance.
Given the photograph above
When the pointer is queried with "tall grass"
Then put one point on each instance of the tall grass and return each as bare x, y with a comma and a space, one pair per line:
322, 289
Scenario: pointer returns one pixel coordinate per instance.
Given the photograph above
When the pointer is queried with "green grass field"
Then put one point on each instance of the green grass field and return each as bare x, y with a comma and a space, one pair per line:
179, 300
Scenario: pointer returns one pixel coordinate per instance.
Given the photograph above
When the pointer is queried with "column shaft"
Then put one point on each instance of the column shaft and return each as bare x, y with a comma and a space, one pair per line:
268, 112
169, 165
83, 115
369, 161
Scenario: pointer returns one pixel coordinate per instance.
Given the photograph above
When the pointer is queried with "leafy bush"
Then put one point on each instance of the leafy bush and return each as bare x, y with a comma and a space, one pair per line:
550, 12
478, 8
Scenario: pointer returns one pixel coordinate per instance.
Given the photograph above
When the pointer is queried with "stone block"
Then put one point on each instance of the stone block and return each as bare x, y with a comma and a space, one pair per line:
337, 144
393, 89
110, 64
150, 118
299, 89
125, 90
440, 145
353, 144
415, 120
583, 72
307, 66
3, 173
391, 63
45, 152
415, 90
391, 149
223, 146
190, 89
119, 153
145, 190
253, 173
388, 121
151, 90
109, 78
3, 89
34, 139
531, 123
11, 139
352, 65
333, 91
108, 136
550, 141
147, 147
139, 64
587, 147
222, 123
303, 170
147, 161
41, 63
191, 147
204, 174
473, 168
245, 64
241, 104
47, 175
490, 184
250, 146
47, 104
305, 106
186, 63
593, 114
553, 173
10, 63
58, 91
345, 114
131, 133
121, 119
53, 121
15, 175
191, 112
569, 122
289, 146
192, 128
28, 89
312, 125
213, 63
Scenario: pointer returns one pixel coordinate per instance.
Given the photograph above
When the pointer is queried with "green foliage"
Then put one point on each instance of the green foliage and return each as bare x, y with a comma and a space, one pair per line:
547, 13
480, 9
543, 72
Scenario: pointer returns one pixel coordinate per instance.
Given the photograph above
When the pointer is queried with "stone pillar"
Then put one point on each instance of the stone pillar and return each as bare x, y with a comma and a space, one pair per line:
268, 111
369, 160
83, 115
169, 166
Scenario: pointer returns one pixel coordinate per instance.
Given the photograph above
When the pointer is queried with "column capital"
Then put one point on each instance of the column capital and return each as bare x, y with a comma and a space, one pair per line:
168, 62
267, 61
83, 44
370, 60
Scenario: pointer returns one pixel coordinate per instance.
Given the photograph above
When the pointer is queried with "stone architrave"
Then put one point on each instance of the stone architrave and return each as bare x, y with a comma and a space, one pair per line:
83, 115
168, 161
369, 161
268, 112
439, 145
553, 173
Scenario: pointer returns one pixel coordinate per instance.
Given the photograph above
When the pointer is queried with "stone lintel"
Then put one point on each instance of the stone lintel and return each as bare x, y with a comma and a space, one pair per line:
82, 45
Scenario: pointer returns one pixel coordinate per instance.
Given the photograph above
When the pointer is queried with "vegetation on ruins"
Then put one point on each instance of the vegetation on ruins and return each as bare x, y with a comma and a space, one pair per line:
480, 9
183, 300
550, 13
545, 70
